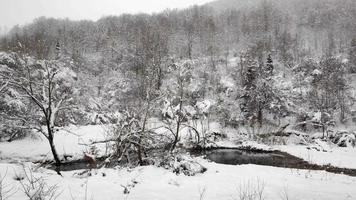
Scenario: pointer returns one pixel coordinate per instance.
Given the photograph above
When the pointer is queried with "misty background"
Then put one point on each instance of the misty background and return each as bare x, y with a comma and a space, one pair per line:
21, 12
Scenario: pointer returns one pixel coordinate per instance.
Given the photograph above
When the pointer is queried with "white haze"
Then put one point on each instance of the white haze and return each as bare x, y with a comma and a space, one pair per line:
13, 12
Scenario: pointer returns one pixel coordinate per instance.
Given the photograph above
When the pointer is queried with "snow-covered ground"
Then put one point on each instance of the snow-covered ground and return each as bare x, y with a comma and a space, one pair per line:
150, 182
219, 182
67, 141
338, 157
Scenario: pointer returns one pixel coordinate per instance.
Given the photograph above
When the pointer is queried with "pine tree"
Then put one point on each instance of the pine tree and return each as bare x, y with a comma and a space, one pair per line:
269, 66
352, 56
249, 75
58, 50
259, 95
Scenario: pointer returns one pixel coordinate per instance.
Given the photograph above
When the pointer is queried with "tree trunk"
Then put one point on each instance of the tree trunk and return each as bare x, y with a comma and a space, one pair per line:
159, 81
53, 148
176, 137
242, 72
139, 153
140, 149
259, 117
180, 117
342, 107
55, 156
189, 50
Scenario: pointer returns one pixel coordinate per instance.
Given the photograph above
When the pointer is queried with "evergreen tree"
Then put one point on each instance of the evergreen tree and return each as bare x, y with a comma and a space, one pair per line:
248, 73
259, 93
352, 56
58, 50
269, 66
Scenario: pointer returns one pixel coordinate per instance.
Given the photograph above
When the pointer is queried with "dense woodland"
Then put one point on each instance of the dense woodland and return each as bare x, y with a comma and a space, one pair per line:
265, 67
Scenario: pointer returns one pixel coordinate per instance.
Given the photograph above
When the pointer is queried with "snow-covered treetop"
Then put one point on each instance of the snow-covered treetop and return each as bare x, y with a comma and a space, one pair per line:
37, 78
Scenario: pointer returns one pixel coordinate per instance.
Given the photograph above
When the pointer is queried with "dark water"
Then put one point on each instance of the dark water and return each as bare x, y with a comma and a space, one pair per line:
238, 157
269, 158
82, 164
75, 165
232, 157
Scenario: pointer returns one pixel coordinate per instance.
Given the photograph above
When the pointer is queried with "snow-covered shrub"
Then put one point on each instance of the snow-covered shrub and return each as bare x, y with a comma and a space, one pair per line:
103, 118
302, 118
36, 188
182, 164
129, 186
314, 121
6, 189
322, 120
15, 111
297, 138
289, 137
251, 190
131, 140
345, 139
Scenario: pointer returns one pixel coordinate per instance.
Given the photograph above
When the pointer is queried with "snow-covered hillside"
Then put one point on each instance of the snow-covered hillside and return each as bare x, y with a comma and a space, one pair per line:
228, 99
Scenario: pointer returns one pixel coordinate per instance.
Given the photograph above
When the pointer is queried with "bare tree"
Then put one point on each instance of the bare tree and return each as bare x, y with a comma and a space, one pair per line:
330, 90
175, 100
47, 85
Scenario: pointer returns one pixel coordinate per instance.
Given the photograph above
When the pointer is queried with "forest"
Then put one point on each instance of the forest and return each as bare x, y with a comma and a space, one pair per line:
153, 89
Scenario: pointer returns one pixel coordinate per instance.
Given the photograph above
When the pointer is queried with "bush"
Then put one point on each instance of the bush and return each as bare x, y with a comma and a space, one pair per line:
182, 165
